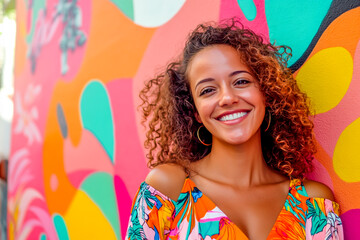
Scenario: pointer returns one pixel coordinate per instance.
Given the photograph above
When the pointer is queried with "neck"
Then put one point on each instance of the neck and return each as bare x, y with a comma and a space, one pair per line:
238, 165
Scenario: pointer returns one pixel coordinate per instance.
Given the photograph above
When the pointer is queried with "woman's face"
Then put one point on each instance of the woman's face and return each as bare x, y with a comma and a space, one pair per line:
227, 96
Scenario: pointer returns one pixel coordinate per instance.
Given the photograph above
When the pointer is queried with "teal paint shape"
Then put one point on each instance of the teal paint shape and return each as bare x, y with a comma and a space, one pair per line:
60, 227
36, 7
42, 236
295, 23
248, 8
96, 115
100, 188
126, 6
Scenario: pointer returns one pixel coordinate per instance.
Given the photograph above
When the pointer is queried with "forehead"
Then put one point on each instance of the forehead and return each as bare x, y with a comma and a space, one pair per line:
216, 58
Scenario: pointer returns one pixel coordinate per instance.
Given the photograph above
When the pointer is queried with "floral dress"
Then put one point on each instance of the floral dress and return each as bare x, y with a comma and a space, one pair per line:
195, 216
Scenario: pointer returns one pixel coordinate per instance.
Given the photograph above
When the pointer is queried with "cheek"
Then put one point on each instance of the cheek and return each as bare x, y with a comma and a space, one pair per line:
262, 107
203, 111
197, 112
262, 102
259, 98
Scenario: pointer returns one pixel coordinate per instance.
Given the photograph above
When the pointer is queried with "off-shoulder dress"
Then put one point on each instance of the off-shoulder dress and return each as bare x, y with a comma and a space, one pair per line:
194, 216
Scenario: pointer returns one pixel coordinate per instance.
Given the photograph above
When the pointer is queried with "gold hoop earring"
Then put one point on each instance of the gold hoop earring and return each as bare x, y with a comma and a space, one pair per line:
198, 136
268, 122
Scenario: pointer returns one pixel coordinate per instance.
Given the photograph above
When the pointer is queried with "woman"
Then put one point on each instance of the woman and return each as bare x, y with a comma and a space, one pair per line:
230, 142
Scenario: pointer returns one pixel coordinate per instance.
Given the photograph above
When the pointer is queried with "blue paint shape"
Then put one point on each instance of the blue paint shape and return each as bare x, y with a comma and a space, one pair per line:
248, 8
60, 227
61, 120
100, 188
295, 23
96, 115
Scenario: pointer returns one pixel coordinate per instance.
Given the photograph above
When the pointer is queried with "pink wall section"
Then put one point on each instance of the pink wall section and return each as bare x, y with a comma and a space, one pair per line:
77, 155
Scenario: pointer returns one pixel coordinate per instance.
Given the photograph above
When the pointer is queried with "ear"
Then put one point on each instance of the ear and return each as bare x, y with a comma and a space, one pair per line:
198, 117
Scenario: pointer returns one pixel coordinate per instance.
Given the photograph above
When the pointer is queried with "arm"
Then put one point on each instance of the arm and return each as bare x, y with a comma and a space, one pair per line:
322, 218
318, 190
152, 210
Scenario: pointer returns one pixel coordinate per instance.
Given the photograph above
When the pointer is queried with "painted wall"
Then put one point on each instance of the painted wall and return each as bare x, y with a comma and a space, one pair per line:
76, 153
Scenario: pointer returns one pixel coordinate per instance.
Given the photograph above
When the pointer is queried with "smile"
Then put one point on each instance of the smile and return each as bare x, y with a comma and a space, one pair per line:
233, 116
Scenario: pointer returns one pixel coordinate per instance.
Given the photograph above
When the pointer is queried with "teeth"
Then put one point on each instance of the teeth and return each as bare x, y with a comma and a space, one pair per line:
232, 116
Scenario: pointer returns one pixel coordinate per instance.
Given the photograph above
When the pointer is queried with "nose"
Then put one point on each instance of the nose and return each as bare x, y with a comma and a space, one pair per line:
228, 97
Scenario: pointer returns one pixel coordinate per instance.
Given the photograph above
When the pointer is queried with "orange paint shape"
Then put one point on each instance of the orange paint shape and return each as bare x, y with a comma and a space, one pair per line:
115, 44
344, 32
68, 95
57, 201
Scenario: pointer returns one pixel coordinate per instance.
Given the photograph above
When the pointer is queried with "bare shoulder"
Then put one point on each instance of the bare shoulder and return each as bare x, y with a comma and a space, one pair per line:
167, 179
318, 190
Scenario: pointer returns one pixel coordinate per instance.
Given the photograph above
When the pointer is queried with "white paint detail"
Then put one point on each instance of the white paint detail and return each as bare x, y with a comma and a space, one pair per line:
155, 12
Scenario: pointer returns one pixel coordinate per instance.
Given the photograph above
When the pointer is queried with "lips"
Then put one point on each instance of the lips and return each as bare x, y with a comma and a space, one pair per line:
229, 116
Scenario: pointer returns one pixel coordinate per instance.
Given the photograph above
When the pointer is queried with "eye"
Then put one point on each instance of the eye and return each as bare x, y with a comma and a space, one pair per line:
206, 91
241, 82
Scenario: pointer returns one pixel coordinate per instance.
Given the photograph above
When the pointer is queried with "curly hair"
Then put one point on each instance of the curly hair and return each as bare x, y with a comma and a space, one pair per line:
168, 107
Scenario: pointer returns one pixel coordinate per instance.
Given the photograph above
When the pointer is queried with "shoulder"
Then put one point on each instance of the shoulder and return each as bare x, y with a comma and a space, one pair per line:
167, 179
318, 190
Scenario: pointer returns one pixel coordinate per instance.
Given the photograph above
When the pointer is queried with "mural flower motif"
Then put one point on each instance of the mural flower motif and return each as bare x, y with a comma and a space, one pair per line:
22, 198
27, 114
72, 36
67, 13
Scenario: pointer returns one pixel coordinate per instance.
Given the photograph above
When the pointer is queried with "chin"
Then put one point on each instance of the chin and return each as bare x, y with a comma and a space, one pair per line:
236, 140
240, 139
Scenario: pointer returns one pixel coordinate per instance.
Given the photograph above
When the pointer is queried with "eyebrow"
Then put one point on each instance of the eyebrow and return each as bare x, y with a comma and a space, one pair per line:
211, 79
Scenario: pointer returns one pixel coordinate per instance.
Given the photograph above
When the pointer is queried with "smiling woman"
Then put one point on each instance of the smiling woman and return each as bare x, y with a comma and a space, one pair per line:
226, 95
228, 118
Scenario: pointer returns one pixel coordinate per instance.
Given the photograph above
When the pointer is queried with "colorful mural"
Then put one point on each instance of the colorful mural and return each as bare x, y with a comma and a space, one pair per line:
77, 157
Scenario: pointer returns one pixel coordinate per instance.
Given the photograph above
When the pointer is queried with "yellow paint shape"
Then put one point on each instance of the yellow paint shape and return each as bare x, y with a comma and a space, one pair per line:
326, 77
346, 157
84, 220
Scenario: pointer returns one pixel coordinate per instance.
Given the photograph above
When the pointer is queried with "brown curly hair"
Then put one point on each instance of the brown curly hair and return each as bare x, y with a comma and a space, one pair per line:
169, 111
